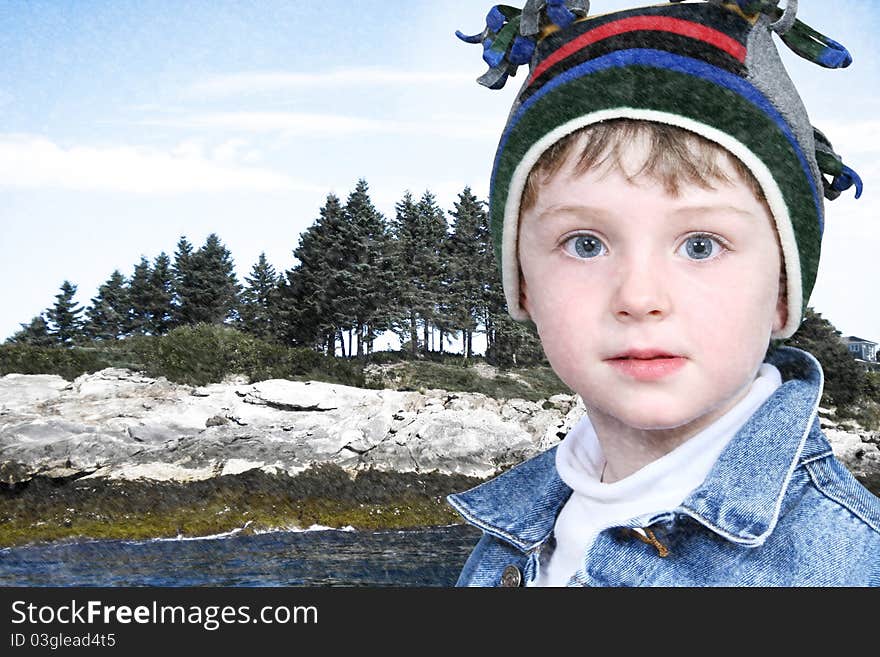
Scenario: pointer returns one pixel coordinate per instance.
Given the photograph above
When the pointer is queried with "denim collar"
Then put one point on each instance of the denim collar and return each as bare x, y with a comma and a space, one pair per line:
739, 500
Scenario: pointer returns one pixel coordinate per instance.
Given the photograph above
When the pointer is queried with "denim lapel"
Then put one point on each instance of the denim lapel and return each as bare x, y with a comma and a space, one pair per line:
742, 496
519, 506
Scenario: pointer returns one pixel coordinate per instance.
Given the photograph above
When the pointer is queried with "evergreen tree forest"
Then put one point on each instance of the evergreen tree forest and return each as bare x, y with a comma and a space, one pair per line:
427, 275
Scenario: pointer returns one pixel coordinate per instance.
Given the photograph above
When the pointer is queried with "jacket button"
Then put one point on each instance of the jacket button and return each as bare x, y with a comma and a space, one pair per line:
511, 577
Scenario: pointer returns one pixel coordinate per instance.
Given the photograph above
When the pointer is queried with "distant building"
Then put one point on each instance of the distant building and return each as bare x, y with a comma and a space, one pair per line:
864, 351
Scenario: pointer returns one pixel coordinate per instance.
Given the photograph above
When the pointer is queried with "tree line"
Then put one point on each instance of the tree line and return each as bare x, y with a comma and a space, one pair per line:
358, 275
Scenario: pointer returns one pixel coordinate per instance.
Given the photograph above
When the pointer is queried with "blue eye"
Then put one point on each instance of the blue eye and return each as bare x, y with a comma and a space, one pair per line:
701, 247
585, 246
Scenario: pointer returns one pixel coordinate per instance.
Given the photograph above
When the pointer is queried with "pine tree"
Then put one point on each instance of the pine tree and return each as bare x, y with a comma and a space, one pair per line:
259, 298
35, 333
433, 232
64, 317
184, 284
407, 293
108, 316
307, 295
160, 303
140, 298
366, 277
206, 285
470, 264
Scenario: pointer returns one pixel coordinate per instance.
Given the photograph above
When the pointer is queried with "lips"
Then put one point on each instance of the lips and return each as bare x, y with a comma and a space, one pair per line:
645, 354
647, 364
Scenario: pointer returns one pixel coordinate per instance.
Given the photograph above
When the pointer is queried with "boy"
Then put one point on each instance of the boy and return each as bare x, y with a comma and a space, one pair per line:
657, 208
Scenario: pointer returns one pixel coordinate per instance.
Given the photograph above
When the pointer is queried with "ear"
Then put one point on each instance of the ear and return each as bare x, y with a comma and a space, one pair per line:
781, 307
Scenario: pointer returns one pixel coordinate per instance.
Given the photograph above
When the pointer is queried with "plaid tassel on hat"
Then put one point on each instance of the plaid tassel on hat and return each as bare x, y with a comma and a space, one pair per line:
709, 67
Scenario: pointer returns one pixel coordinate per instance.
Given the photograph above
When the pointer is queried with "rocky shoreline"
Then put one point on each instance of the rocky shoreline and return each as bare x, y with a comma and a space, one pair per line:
115, 454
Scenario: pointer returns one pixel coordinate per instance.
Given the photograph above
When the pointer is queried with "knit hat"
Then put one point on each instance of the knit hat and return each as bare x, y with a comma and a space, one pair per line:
710, 67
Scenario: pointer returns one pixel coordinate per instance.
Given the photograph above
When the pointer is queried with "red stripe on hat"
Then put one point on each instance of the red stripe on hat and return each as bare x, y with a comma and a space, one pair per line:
653, 23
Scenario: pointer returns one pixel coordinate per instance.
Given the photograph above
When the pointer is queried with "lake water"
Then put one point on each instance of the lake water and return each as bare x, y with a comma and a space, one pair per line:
424, 557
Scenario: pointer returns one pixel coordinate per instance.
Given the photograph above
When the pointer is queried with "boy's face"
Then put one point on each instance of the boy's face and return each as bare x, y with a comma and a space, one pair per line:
610, 268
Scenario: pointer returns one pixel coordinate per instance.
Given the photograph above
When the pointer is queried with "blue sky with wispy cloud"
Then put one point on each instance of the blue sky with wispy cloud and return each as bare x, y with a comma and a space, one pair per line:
124, 125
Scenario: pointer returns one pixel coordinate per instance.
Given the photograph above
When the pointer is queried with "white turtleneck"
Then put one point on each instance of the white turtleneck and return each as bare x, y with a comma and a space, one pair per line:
662, 485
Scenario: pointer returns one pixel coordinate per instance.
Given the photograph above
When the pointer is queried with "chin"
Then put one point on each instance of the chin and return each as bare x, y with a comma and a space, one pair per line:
660, 420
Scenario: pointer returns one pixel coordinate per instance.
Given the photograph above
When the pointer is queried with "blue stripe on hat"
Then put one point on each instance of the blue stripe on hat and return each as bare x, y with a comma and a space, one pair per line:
678, 63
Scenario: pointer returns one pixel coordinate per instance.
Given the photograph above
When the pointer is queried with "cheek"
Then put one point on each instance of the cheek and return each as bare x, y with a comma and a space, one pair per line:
758, 294
739, 287
565, 345
566, 315
735, 315
560, 298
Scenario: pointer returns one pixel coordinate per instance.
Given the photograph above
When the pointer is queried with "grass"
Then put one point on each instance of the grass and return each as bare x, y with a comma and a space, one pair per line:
202, 354
222, 516
531, 383
50, 510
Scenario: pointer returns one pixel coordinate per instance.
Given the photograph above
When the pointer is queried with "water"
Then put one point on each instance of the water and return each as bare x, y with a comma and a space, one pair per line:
423, 557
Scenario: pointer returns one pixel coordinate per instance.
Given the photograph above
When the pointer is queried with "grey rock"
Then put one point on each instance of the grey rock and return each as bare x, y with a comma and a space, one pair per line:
861, 456
121, 424
216, 421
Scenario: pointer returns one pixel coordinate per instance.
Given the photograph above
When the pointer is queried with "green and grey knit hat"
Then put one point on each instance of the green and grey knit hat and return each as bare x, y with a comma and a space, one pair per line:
710, 67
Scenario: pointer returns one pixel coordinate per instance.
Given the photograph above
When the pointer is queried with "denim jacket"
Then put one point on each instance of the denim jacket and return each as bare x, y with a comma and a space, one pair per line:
777, 509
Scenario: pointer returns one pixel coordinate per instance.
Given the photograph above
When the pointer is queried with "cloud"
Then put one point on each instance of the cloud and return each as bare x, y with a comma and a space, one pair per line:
849, 137
32, 161
233, 84
295, 124
229, 150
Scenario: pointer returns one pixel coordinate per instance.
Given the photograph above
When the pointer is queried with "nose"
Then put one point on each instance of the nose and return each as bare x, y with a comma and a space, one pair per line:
640, 290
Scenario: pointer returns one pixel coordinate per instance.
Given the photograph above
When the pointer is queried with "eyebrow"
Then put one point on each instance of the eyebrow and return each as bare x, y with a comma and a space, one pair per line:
705, 209
580, 210
601, 213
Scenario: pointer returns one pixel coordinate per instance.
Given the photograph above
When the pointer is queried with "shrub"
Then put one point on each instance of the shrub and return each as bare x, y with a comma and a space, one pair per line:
66, 362
866, 413
844, 379
125, 353
872, 386
195, 355
388, 357
208, 353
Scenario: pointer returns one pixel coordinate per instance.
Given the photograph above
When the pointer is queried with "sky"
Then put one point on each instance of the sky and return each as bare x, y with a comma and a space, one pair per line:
125, 125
